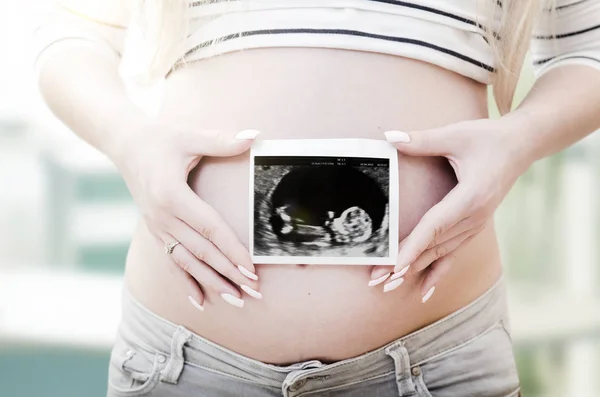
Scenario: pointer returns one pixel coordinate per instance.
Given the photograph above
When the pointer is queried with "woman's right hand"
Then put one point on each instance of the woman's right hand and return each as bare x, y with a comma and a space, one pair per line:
155, 161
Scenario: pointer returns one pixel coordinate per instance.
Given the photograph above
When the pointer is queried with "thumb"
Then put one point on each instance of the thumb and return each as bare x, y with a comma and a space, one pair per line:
434, 142
218, 143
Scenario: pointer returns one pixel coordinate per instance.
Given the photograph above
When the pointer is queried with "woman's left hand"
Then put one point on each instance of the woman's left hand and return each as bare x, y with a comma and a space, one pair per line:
487, 158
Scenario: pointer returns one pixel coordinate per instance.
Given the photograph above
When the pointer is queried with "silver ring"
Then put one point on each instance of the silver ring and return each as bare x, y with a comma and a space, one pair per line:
170, 247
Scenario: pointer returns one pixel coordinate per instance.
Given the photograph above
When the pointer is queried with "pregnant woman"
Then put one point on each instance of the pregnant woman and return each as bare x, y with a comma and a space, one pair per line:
174, 92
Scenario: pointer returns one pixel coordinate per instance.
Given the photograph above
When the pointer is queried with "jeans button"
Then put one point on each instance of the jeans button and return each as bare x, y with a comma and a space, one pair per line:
161, 359
416, 371
297, 385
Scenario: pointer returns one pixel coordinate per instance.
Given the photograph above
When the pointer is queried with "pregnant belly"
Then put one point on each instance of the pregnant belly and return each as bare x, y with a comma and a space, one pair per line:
325, 312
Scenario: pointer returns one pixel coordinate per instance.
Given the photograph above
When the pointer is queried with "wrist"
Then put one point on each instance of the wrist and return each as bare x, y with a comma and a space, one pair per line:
522, 138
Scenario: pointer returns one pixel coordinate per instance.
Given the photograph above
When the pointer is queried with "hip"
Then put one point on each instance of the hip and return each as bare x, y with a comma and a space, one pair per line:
466, 353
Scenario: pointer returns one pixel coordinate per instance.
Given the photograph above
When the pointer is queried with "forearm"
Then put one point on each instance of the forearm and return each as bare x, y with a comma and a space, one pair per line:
83, 89
77, 53
562, 107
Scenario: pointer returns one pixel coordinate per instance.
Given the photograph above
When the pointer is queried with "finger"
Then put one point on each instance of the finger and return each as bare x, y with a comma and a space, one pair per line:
206, 252
433, 142
219, 143
379, 274
424, 260
196, 298
206, 221
433, 254
195, 293
431, 227
439, 269
206, 276
459, 228
435, 273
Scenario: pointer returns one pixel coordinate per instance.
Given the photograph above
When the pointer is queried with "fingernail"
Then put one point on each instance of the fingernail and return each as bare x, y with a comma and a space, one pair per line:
379, 280
196, 304
401, 273
251, 292
397, 136
428, 294
247, 273
232, 300
247, 134
393, 285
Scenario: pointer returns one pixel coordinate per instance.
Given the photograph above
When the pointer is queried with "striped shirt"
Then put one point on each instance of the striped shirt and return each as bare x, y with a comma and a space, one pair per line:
449, 34
569, 35
446, 33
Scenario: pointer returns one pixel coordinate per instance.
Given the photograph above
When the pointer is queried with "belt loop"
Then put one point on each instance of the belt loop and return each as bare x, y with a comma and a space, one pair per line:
172, 371
402, 363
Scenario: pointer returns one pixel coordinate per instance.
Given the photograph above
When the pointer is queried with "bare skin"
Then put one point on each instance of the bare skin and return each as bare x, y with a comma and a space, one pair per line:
323, 312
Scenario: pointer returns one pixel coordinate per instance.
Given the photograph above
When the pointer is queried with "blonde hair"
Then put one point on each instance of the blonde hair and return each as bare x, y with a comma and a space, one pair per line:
509, 44
164, 25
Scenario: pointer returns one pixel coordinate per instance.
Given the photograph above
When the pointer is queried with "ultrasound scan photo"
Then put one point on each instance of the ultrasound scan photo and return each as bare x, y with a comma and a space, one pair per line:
321, 206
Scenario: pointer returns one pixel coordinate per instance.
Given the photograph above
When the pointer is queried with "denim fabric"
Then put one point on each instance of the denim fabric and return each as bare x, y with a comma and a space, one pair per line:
467, 353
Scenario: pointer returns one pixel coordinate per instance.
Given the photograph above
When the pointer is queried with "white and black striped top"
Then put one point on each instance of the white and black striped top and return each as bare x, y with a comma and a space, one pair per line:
447, 33
571, 34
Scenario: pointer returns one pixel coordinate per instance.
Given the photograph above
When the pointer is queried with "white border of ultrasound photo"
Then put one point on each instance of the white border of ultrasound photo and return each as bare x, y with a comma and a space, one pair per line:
330, 148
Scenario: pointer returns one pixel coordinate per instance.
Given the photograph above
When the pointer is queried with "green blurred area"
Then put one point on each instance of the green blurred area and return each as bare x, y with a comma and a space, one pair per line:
52, 372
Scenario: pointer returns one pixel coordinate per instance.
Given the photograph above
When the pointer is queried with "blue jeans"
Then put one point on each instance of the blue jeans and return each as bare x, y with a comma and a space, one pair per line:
467, 353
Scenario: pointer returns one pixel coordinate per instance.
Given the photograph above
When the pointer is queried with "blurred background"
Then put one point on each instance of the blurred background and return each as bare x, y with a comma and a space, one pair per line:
61, 261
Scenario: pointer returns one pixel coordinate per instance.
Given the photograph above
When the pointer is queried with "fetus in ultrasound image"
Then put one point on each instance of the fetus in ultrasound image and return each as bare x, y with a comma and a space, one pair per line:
321, 206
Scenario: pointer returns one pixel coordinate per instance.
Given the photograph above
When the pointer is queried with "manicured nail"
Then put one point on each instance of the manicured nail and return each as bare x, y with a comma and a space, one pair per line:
428, 294
247, 273
195, 304
251, 292
397, 136
379, 280
247, 134
393, 285
401, 273
232, 300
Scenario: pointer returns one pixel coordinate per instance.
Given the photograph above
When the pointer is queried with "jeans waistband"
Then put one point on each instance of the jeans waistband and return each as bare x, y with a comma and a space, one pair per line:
159, 335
